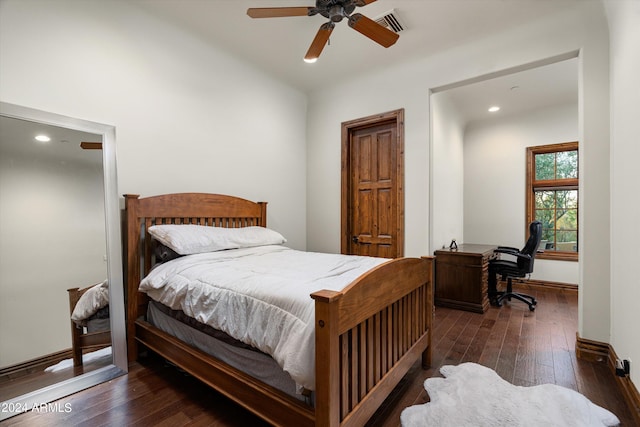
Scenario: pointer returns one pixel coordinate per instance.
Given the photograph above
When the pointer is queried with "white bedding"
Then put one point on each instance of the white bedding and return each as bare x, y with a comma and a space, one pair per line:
90, 302
260, 296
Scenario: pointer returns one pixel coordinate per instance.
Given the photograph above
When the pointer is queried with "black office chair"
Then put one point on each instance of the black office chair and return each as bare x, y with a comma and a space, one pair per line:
521, 267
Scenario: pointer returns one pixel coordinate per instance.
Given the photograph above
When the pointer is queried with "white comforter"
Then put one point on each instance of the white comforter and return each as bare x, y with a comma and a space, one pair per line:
260, 296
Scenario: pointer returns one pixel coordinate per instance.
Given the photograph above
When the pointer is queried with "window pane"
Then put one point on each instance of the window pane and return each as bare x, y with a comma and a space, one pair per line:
567, 199
548, 239
567, 219
548, 234
545, 216
545, 199
567, 241
545, 166
567, 164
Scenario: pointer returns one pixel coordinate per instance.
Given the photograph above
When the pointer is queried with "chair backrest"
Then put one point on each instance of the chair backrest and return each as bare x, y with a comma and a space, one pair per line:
531, 247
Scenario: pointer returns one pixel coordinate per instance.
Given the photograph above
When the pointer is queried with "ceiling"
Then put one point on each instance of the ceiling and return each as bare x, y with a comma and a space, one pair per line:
517, 93
17, 137
277, 45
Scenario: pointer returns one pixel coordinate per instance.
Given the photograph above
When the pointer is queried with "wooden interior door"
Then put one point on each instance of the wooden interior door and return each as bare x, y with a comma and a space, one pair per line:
372, 183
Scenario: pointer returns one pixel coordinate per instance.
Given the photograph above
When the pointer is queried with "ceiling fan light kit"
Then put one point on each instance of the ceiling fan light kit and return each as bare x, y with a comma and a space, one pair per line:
334, 11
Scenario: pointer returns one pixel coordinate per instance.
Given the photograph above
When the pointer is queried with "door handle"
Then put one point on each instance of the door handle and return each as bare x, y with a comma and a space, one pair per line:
355, 239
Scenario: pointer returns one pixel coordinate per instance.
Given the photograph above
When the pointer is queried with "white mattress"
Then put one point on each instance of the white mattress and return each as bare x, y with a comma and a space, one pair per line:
260, 296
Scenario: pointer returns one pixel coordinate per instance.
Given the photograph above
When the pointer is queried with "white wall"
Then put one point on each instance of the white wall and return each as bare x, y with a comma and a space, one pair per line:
408, 87
495, 179
447, 134
53, 239
188, 116
624, 26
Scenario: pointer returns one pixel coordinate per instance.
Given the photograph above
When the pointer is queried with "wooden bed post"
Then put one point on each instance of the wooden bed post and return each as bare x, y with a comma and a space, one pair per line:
75, 332
133, 272
327, 350
263, 214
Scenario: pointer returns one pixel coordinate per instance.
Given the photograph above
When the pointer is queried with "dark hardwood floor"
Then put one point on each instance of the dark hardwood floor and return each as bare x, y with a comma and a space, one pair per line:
525, 348
27, 382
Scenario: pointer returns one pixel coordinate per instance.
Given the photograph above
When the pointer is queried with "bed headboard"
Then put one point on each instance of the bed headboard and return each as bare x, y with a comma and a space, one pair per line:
215, 210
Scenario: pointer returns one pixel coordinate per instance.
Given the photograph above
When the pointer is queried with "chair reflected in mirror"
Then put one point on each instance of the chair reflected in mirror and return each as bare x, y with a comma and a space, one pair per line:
519, 265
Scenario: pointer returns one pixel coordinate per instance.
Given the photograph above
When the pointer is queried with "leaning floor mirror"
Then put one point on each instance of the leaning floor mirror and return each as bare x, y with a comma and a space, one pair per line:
60, 228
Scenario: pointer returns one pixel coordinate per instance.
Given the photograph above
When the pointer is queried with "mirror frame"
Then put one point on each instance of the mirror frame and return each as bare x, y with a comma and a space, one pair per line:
119, 365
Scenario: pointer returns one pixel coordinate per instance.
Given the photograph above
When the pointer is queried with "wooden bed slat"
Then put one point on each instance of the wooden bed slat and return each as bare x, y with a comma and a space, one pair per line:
344, 379
377, 349
371, 349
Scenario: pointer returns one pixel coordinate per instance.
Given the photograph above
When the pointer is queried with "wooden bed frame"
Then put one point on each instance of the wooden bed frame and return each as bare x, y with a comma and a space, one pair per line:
367, 336
80, 340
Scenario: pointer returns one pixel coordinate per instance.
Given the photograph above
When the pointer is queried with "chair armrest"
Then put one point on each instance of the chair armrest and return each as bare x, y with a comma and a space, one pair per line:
506, 249
511, 251
519, 255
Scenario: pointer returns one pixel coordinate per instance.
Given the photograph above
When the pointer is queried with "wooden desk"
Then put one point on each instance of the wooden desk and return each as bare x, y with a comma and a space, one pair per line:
462, 277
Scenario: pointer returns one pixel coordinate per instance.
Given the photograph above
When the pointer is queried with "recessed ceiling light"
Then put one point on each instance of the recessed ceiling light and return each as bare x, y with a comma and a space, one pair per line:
43, 138
310, 60
494, 109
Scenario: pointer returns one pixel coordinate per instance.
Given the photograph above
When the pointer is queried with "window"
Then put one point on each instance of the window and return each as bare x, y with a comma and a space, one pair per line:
552, 198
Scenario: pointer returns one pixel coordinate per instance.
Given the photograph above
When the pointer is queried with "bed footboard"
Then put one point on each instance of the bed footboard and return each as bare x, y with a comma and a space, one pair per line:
367, 338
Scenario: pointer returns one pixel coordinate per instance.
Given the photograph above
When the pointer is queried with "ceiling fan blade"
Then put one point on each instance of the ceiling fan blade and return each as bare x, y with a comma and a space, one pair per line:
91, 145
318, 43
278, 12
373, 30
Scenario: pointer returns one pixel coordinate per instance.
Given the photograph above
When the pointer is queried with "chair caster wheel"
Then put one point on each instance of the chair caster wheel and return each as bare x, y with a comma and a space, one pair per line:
532, 308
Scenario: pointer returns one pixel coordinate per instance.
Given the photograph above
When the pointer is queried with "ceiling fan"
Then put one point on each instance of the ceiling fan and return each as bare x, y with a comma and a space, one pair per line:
335, 11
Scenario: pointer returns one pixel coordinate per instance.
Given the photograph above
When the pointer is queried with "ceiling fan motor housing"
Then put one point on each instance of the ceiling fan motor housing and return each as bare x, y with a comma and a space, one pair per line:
335, 10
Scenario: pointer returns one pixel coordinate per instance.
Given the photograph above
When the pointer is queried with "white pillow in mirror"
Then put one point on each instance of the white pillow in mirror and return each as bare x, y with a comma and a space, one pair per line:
187, 239
91, 301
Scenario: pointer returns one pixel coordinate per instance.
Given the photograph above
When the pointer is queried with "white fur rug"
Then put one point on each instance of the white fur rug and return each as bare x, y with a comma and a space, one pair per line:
104, 353
475, 396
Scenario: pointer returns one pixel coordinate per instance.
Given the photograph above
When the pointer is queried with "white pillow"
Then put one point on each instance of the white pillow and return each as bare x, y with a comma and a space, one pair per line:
188, 239
91, 301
